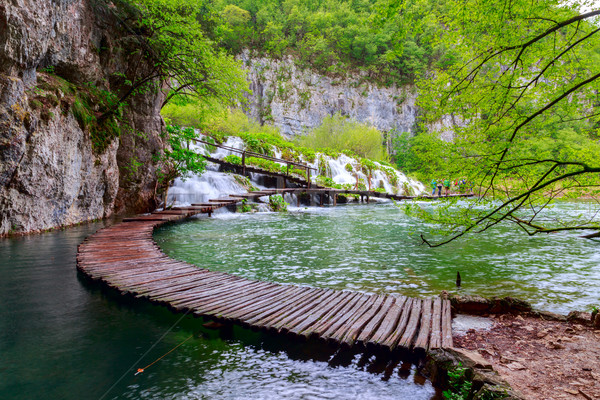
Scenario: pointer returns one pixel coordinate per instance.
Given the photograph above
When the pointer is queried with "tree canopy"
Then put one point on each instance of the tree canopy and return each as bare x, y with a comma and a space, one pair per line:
334, 36
523, 99
180, 39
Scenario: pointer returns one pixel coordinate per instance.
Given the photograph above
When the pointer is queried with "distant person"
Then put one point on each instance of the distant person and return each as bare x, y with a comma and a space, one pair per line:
439, 186
463, 185
447, 186
433, 186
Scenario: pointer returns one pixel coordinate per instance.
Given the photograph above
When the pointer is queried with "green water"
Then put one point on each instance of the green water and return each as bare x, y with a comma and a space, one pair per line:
61, 338
374, 249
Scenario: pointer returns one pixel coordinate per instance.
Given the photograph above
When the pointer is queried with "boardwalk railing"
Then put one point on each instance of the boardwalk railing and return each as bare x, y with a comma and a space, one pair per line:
248, 153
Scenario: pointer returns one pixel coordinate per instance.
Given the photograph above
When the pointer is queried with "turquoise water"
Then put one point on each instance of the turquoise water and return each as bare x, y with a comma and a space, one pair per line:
376, 249
62, 338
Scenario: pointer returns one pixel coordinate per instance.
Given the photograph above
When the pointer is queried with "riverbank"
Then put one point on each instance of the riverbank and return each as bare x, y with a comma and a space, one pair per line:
540, 359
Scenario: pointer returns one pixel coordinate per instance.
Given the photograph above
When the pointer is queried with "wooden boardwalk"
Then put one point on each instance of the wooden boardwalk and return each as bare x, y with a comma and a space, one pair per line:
125, 257
333, 193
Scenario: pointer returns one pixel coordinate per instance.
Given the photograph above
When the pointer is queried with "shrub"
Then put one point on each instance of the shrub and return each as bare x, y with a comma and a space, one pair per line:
340, 133
233, 159
277, 203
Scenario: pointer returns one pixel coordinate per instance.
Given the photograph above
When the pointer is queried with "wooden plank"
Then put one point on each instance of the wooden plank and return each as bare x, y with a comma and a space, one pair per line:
164, 282
264, 320
213, 279
343, 323
411, 327
392, 340
224, 307
422, 341
435, 341
212, 304
240, 308
373, 325
156, 278
446, 325
315, 315
289, 315
189, 291
348, 334
389, 323
328, 319
249, 311
183, 298
297, 317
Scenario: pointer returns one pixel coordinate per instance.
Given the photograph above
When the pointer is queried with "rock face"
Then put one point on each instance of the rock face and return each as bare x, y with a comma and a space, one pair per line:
297, 100
50, 173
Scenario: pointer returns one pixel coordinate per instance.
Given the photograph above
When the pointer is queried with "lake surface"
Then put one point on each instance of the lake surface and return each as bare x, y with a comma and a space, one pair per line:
61, 338
376, 249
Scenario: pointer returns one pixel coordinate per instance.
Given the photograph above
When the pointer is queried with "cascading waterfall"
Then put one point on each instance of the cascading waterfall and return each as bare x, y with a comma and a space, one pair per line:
343, 170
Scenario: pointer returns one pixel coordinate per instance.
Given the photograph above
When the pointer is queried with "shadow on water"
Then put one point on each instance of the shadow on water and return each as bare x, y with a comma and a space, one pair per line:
379, 365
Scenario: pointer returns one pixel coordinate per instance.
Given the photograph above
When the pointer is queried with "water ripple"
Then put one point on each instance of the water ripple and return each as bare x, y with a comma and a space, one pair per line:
371, 249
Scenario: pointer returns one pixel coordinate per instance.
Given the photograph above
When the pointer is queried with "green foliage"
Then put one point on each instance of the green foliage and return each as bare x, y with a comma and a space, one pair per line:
191, 112
87, 102
245, 207
258, 138
49, 69
459, 386
179, 160
424, 154
328, 182
334, 35
277, 204
266, 164
245, 181
233, 159
340, 133
522, 93
180, 44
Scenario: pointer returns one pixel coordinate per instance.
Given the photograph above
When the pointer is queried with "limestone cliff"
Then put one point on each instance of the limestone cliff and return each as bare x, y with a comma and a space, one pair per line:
297, 100
53, 172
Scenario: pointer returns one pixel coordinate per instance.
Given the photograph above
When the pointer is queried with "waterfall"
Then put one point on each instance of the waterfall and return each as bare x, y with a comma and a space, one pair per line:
346, 170
199, 189
343, 170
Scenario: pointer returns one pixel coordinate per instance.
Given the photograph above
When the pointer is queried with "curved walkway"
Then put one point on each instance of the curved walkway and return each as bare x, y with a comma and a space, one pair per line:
125, 257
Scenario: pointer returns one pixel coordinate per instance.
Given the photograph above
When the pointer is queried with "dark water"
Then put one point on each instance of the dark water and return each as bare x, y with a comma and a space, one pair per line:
61, 338
376, 249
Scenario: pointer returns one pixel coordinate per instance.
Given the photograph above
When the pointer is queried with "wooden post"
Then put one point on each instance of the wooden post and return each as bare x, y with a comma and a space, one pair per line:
308, 177
321, 195
244, 162
298, 199
287, 172
367, 199
335, 200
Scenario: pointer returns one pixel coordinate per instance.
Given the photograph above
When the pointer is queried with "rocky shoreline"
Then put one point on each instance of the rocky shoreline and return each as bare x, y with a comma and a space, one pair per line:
525, 354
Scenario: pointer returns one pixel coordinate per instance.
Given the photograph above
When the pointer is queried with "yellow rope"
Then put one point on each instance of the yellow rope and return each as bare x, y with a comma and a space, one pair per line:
140, 370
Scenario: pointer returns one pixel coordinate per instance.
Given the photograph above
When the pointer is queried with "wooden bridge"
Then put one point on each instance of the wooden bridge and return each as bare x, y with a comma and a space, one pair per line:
126, 258
329, 193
